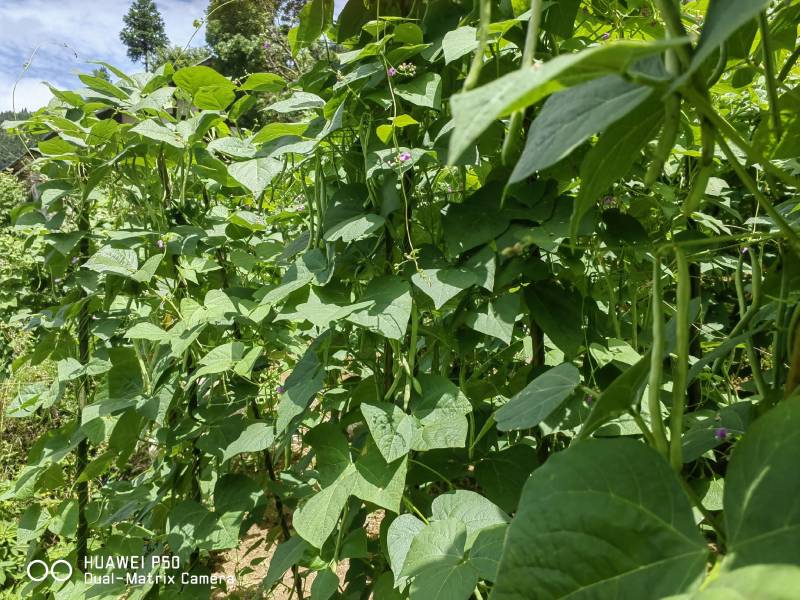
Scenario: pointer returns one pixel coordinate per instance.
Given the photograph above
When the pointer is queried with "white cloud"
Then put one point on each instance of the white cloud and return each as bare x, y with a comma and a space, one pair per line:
68, 33
28, 94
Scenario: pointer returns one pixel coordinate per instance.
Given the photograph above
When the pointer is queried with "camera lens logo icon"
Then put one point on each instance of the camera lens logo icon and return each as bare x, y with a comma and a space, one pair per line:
38, 570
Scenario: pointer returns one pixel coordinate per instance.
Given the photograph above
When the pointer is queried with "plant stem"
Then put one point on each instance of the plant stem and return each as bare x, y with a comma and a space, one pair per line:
763, 201
704, 511
434, 471
270, 466
727, 130
340, 534
657, 363
82, 451
790, 62
672, 121
755, 363
532, 34
412, 355
779, 344
682, 359
410, 506
769, 73
648, 435
672, 18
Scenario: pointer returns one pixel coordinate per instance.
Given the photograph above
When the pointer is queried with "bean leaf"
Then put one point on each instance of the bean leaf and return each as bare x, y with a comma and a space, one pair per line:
602, 518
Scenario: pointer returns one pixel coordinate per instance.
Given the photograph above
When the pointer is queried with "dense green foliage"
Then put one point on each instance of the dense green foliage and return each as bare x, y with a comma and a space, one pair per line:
25, 282
508, 309
11, 146
144, 33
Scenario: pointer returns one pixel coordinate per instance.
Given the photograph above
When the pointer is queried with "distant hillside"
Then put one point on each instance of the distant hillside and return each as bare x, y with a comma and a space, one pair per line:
11, 147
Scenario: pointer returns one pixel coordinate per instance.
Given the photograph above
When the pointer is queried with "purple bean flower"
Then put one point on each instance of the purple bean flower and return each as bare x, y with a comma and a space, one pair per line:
721, 433
391, 71
745, 250
267, 45
608, 201
606, 35
404, 156
280, 389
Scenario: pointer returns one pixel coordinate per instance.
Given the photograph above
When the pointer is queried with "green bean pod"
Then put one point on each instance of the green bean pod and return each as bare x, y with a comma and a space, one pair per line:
511, 146
657, 363
755, 303
681, 370
474, 73
669, 133
719, 68
752, 357
692, 201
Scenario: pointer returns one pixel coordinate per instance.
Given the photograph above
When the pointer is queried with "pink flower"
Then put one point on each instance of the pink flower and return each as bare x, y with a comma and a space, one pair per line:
404, 156
391, 71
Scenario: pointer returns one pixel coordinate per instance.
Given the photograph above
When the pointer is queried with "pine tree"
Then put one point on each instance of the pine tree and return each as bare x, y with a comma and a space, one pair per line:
101, 73
143, 33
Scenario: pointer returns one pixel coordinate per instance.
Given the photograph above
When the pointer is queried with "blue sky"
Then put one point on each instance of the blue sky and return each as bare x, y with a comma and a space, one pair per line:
68, 33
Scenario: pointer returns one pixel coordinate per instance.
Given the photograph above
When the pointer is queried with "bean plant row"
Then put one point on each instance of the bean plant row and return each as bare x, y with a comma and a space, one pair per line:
502, 302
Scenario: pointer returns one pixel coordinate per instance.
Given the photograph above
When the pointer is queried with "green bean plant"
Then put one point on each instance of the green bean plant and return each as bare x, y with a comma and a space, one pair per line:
502, 302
